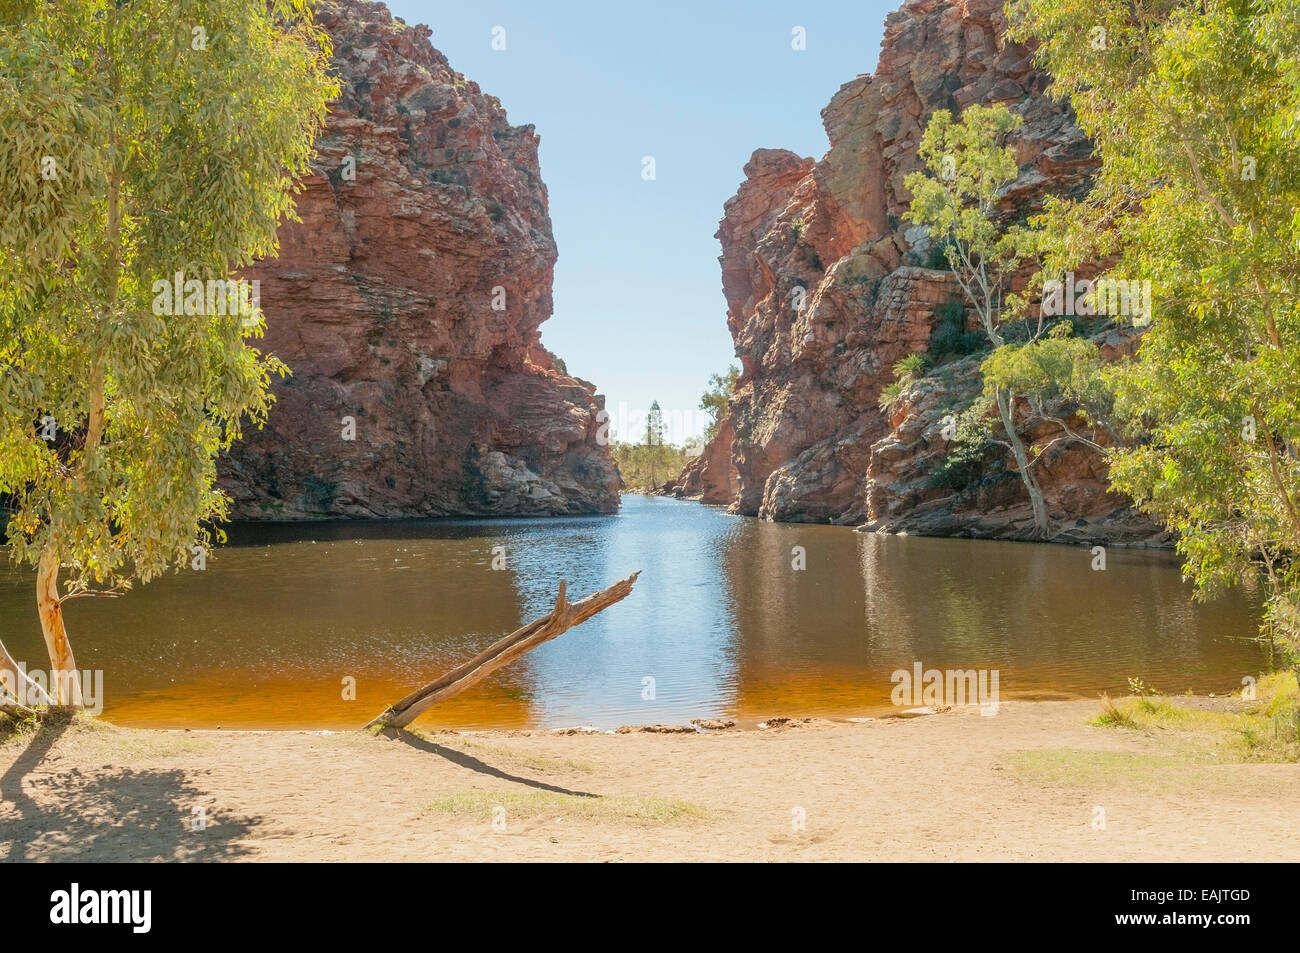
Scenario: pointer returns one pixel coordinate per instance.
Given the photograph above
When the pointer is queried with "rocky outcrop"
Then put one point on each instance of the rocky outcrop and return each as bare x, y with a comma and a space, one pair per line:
407, 304
827, 287
710, 477
909, 490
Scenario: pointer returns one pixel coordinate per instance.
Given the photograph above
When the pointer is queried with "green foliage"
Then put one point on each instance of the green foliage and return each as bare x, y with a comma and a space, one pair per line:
1140, 688
966, 459
647, 467
716, 399
910, 367
1193, 108
890, 393
1055, 367
906, 370
937, 256
1265, 728
167, 158
950, 342
950, 337
956, 197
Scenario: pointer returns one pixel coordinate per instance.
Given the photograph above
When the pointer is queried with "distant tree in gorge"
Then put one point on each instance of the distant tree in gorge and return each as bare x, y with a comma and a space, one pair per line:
654, 436
654, 426
141, 141
640, 465
717, 397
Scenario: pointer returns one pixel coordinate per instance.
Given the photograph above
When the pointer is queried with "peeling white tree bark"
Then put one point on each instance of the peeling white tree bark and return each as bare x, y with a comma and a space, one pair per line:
64, 682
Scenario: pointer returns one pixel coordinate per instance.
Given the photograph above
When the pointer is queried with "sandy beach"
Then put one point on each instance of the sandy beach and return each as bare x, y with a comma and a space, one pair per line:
1027, 784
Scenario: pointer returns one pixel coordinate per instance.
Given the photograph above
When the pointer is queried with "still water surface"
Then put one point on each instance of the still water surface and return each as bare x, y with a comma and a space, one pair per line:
265, 636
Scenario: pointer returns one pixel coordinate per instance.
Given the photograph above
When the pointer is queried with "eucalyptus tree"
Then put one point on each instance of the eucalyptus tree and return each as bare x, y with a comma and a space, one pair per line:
145, 142
957, 197
1194, 108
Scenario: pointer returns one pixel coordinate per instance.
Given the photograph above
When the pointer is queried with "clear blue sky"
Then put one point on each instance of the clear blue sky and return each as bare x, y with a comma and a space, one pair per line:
638, 292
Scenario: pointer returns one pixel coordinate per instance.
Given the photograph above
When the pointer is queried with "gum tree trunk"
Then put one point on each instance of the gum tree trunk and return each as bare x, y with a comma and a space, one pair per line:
64, 683
1005, 410
11, 676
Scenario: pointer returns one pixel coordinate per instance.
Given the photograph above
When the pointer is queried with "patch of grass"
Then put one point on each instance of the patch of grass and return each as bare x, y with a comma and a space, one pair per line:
15, 726
1084, 768
1263, 728
638, 811
79, 733
1112, 716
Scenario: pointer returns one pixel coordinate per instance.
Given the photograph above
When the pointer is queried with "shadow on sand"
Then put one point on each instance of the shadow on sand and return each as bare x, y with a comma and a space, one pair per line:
474, 764
117, 814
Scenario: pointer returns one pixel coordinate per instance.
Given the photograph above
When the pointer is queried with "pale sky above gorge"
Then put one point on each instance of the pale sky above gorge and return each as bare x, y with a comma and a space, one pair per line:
699, 86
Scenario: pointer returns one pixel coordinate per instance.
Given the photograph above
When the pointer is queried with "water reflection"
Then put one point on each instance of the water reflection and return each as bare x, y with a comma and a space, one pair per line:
720, 621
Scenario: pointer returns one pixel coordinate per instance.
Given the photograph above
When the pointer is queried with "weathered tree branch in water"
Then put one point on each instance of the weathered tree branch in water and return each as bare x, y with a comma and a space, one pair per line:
564, 616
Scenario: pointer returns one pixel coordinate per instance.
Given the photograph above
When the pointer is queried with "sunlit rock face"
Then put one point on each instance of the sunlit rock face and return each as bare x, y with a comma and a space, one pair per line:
827, 287
407, 304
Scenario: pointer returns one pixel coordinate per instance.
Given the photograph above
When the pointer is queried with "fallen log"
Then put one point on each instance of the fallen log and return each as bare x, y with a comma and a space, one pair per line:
563, 617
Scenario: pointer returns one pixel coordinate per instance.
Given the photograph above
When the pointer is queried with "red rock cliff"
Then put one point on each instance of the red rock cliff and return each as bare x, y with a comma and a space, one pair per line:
409, 299
827, 288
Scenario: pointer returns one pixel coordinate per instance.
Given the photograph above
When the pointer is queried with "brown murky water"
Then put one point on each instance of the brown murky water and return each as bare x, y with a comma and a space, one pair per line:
266, 635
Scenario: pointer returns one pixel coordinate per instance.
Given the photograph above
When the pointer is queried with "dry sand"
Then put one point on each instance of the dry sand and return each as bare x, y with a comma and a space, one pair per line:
1023, 785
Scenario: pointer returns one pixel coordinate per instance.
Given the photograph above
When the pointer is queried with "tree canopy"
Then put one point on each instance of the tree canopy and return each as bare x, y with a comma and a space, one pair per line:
143, 141
1195, 112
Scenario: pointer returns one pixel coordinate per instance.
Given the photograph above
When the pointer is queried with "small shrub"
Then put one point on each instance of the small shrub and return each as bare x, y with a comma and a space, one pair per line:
889, 395
1140, 688
952, 343
959, 469
937, 257
950, 337
910, 366
1112, 716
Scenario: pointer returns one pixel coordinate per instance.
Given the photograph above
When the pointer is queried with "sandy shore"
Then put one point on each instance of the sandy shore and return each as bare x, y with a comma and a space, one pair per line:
1024, 785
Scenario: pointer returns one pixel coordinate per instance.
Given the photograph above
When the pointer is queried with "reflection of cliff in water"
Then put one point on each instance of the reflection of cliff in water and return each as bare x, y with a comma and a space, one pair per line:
829, 637
718, 624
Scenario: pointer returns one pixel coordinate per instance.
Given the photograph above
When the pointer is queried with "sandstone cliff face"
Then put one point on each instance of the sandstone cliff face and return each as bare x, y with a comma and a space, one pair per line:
827, 287
903, 495
409, 299
710, 477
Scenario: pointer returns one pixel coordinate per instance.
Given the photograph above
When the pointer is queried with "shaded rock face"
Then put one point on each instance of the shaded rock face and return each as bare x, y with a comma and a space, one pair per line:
407, 304
903, 496
827, 287
710, 477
